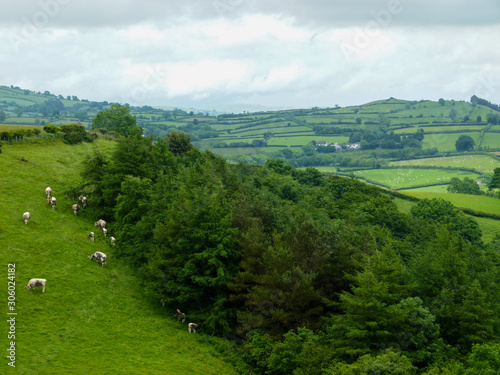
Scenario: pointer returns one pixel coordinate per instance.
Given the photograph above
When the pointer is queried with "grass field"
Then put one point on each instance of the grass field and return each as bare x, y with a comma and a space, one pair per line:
90, 320
491, 140
476, 202
10, 127
482, 163
303, 140
430, 189
407, 178
446, 142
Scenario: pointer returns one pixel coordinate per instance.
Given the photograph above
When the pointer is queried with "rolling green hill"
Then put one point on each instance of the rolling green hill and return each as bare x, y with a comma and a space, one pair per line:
390, 132
91, 319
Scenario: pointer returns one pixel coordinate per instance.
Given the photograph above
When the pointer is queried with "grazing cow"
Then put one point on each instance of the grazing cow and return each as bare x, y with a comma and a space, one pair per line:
91, 236
112, 241
100, 223
104, 231
98, 256
26, 217
48, 192
192, 327
36, 282
180, 315
83, 199
52, 202
76, 208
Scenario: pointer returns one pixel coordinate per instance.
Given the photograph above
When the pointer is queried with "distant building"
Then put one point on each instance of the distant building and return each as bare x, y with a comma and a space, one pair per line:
355, 146
322, 143
338, 148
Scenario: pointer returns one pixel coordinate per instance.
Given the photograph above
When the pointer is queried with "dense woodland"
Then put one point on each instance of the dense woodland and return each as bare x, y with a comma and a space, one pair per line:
309, 274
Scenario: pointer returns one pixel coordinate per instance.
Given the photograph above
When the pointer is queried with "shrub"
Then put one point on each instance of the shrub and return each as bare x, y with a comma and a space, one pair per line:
49, 128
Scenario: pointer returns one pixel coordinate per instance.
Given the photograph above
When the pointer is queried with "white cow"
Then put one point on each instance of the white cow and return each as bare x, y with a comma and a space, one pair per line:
52, 202
100, 223
76, 208
192, 327
112, 241
48, 192
91, 236
104, 231
36, 282
83, 199
26, 217
98, 256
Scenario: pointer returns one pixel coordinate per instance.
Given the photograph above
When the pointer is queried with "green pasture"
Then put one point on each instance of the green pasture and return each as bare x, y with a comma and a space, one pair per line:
279, 129
10, 127
429, 189
491, 140
437, 129
304, 140
90, 320
446, 142
489, 227
481, 163
406, 178
475, 202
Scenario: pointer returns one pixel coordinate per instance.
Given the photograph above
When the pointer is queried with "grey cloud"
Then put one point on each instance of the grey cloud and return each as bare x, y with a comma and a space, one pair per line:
313, 13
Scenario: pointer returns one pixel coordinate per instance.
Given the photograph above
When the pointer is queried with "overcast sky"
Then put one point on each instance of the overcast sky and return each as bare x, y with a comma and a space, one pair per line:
208, 54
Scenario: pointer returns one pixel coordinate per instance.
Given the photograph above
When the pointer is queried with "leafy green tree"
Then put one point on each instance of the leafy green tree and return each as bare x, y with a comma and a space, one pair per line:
484, 360
478, 321
441, 101
464, 143
196, 255
370, 309
453, 114
18, 111
438, 211
385, 363
495, 180
3, 116
465, 186
116, 118
49, 128
179, 143
75, 133
492, 118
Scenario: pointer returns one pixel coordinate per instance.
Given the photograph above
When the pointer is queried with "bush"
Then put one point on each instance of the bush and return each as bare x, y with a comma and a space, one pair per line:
49, 128
75, 133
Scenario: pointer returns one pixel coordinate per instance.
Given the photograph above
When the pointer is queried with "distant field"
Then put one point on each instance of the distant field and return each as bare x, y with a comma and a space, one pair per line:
482, 163
475, 202
429, 189
407, 178
491, 140
446, 142
489, 227
10, 127
435, 129
303, 140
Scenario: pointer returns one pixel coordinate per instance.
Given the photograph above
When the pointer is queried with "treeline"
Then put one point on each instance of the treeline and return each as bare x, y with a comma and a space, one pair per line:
476, 100
316, 274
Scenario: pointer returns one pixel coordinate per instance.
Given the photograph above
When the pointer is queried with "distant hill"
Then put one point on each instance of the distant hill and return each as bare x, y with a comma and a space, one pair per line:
384, 130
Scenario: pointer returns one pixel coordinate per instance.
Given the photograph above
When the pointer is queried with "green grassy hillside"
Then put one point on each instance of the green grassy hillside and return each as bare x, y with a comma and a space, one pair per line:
90, 320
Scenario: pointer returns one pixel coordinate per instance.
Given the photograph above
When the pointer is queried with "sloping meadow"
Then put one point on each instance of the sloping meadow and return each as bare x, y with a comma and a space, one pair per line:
90, 319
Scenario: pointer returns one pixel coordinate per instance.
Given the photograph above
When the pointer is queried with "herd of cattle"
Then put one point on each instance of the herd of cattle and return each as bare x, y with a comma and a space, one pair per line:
98, 256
